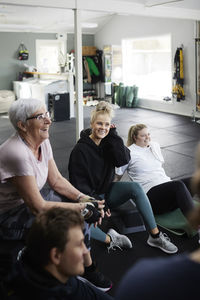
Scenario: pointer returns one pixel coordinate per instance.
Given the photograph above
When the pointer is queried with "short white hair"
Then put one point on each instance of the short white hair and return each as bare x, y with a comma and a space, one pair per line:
22, 109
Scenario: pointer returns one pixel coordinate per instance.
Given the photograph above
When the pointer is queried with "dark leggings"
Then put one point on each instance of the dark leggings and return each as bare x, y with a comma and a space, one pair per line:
170, 195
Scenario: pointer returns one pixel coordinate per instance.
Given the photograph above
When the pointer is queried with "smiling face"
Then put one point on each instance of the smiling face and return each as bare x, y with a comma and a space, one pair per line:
143, 138
100, 127
36, 130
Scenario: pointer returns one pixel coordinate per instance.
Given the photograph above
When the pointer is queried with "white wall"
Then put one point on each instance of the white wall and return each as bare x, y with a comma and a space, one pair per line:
182, 32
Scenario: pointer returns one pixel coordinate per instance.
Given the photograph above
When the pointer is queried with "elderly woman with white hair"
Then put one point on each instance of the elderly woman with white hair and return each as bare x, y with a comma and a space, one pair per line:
26, 164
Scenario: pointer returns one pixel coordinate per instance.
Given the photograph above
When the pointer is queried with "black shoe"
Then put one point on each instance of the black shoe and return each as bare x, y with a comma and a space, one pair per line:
95, 278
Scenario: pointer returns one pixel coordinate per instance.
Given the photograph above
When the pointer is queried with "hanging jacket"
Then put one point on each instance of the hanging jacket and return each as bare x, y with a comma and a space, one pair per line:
99, 63
86, 71
92, 167
94, 71
92, 66
178, 76
178, 66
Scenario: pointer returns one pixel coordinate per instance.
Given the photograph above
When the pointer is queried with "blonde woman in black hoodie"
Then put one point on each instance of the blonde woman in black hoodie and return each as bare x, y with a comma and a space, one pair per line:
92, 167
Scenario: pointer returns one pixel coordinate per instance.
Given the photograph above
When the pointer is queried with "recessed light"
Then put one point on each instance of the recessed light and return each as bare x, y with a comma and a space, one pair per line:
89, 25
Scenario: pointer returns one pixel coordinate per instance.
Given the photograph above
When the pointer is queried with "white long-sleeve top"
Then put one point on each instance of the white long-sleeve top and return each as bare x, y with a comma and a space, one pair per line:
145, 166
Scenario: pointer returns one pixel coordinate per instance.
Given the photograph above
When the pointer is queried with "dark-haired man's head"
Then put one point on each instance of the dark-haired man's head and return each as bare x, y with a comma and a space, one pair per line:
56, 243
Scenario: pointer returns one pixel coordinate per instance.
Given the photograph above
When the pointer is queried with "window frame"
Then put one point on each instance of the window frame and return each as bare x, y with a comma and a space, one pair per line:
61, 44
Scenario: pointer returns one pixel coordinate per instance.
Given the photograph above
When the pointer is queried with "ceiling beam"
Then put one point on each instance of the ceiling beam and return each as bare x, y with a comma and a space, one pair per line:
151, 3
114, 7
69, 4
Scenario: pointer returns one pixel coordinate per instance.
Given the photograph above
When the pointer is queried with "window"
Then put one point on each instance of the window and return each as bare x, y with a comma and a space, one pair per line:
117, 64
147, 64
47, 55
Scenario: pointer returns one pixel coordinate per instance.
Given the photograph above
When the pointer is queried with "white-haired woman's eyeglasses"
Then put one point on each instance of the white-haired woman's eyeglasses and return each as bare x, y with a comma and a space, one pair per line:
40, 117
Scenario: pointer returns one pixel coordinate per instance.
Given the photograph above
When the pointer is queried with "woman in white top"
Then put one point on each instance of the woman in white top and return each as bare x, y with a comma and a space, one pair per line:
146, 168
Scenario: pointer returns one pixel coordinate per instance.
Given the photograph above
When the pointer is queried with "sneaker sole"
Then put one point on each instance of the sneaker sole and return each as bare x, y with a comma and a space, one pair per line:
97, 287
168, 252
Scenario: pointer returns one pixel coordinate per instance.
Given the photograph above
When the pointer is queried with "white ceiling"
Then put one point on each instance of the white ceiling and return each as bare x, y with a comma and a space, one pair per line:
58, 16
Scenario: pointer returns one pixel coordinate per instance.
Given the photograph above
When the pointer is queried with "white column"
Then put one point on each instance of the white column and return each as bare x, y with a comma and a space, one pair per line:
71, 93
78, 72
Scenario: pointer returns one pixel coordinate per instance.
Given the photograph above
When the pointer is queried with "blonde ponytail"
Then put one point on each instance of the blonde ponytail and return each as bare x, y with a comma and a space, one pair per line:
133, 132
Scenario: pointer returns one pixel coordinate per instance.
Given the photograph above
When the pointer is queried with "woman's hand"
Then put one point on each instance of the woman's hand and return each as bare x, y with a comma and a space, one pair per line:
101, 207
98, 223
112, 126
108, 213
99, 204
93, 212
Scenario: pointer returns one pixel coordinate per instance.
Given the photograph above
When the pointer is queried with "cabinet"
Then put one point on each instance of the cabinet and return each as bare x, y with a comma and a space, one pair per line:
46, 83
59, 106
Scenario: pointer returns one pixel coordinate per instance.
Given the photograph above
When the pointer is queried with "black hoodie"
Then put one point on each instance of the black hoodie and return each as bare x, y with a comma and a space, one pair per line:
26, 282
92, 167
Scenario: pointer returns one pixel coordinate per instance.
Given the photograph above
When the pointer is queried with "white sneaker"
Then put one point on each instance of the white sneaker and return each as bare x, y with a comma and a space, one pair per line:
118, 240
20, 253
162, 242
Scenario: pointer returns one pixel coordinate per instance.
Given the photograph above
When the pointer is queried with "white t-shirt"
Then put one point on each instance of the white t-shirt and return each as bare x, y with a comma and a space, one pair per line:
16, 159
145, 166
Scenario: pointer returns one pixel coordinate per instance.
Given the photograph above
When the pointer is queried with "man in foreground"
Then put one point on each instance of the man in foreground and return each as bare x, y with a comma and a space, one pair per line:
51, 260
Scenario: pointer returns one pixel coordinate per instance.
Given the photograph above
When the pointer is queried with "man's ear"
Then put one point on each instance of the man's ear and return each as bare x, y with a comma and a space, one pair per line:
54, 256
21, 126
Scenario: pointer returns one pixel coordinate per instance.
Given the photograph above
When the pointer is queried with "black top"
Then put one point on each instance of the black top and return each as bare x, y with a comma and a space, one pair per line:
92, 167
174, 278
28, 282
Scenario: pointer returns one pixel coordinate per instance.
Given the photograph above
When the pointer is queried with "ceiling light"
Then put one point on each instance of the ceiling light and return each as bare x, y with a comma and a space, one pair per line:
18, 26
83, 25
89, 25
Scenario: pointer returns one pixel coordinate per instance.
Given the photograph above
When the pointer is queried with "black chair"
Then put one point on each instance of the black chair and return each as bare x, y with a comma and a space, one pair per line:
8, 255
127, 219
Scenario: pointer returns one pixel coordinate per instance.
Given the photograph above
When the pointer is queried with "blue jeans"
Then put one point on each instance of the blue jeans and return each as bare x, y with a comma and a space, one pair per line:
118, 194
